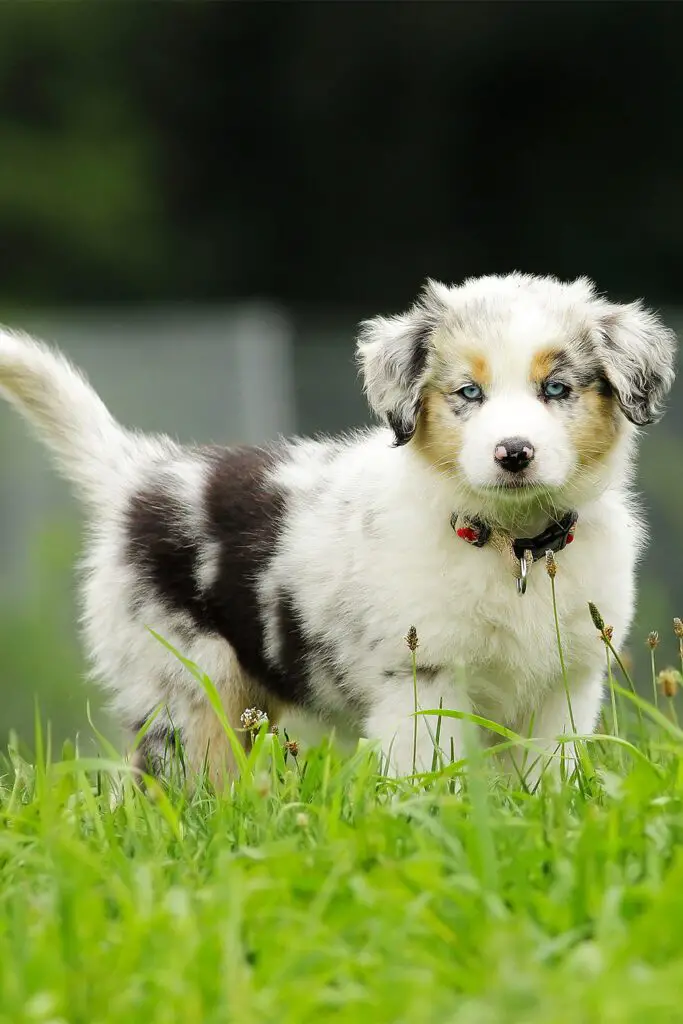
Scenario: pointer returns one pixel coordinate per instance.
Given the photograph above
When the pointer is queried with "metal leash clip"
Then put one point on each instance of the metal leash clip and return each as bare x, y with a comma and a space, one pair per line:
521, 579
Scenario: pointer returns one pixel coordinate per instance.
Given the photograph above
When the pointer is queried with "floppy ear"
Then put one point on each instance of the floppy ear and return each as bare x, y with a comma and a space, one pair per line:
394, 357
638, 353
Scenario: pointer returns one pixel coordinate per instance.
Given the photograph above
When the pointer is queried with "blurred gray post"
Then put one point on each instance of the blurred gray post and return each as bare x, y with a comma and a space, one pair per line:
264, 366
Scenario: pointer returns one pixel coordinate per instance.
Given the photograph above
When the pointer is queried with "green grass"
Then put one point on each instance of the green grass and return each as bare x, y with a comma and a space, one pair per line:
315, 889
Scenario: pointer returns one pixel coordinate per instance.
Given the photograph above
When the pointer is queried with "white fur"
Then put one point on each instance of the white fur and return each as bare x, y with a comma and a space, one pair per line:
366, 544
499, 649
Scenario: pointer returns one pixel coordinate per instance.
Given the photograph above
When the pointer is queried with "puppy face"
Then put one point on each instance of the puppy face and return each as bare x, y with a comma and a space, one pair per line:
514, 386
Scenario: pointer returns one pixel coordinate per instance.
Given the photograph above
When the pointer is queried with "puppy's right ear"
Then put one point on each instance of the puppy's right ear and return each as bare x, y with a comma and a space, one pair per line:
394, 357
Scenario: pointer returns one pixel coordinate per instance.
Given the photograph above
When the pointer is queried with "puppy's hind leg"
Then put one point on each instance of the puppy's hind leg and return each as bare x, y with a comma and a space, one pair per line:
207, 745
188, 739
160, 752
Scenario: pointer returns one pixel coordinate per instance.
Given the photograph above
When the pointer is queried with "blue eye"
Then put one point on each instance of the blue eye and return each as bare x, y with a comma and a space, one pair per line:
472, 392
554, 389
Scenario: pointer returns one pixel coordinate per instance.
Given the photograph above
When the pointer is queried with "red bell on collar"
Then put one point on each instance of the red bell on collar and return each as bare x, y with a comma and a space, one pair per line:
468, 533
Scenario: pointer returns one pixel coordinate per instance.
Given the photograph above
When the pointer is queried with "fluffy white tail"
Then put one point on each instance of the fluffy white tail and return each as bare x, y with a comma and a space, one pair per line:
91, 448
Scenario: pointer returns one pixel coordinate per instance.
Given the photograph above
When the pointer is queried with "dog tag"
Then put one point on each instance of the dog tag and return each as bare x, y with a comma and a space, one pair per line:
521, 579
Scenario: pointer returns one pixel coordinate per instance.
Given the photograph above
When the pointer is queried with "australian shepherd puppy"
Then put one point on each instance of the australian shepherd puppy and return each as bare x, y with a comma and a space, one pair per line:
292, 573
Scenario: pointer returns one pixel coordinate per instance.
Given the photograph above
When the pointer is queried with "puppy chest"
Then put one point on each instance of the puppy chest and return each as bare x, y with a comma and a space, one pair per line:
502, 644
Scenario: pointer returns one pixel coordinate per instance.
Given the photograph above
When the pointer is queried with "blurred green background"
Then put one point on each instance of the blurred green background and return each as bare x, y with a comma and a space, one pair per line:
200, 201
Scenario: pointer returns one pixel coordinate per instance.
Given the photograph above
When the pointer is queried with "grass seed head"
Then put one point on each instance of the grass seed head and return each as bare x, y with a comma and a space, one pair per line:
597, 618
292, 747
669, 680
678, 628
550, 564
411, 639
653, 639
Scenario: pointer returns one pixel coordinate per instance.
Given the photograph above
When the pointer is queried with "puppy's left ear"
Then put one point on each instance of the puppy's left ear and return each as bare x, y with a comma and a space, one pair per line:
394, 357
638, 354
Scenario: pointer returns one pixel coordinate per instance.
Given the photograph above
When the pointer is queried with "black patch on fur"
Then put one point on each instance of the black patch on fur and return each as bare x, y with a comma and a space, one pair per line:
604, 388
300, 654
420, 350
403, 419
428, 671
402, 427
424, 672
294, 648
161, 746
243, 514
161, 730
162, 549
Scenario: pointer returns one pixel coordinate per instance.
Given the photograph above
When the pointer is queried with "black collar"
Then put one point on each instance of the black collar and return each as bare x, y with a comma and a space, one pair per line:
554, 538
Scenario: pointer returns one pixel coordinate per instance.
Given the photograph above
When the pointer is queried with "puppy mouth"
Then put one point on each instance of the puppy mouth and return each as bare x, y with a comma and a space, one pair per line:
514, 482
511, 487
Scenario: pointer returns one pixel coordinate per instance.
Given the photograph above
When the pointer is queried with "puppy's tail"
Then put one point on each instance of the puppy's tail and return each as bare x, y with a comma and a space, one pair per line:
91, 448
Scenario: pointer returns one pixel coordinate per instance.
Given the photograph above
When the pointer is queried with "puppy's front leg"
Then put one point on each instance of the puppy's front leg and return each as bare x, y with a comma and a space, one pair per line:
392, 721
553, 720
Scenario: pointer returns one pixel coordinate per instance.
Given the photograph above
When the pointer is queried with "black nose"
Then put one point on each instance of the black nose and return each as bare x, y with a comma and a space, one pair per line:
514, 454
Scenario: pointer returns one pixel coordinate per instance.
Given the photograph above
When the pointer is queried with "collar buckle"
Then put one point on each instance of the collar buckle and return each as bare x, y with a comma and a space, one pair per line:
525, 550
555, 538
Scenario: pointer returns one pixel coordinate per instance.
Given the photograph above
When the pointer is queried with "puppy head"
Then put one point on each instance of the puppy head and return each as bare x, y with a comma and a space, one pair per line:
516, 385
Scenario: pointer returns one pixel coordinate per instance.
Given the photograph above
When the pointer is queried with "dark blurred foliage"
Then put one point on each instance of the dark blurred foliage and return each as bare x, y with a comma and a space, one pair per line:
336, 152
